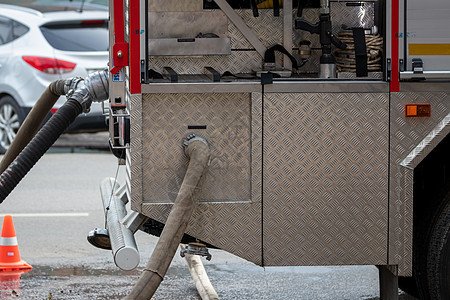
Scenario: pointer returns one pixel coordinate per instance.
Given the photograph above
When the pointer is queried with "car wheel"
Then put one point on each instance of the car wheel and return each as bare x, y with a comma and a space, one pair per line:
439, 255
10, 120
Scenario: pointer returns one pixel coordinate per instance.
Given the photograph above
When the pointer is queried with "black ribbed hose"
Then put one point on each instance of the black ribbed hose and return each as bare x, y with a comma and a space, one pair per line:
43, 140
33, 121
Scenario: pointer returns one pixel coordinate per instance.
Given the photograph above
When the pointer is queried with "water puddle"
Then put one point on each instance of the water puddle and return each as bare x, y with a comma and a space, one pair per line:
10, 284
72, 282
77, 271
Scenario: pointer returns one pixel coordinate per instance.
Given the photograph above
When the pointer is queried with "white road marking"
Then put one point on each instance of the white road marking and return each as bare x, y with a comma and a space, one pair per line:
44, 215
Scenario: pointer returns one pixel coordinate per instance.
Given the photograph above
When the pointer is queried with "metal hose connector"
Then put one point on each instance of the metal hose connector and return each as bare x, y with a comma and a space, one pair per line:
80, 93
94, 88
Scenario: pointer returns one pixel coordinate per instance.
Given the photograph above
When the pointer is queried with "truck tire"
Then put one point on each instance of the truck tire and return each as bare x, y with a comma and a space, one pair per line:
11, 118
438, 259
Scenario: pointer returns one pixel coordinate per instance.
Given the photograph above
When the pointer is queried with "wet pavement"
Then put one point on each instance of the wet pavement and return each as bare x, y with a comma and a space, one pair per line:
231, 281
79, 142
58, 202
75, 282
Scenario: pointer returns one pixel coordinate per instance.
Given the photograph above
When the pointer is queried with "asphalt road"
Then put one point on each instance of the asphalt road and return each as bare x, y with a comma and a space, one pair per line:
77, 142
58, 202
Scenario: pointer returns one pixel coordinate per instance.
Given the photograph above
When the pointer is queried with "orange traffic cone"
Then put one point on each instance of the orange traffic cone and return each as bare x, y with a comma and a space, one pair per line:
10, 284
9, 250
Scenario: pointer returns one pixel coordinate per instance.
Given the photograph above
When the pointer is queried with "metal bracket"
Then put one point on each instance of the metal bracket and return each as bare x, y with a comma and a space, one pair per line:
196, 249
144, 72
134, 220
389, 69
417, 66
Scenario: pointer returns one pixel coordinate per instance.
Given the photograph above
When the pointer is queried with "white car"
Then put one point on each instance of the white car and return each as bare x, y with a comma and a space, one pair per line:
37, 48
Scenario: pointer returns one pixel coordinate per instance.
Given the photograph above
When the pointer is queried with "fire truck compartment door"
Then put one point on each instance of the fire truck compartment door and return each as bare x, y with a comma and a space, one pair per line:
426, 34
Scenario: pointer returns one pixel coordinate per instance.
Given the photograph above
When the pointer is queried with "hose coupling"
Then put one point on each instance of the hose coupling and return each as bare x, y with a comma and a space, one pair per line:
191, 138
98, 85
70, 85
95, 87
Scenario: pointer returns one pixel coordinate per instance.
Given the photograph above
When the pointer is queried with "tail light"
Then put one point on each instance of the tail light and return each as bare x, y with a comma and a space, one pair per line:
93, 22
49, 65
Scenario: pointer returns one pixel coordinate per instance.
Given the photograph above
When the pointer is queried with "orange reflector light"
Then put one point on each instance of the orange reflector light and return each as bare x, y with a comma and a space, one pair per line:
417, 110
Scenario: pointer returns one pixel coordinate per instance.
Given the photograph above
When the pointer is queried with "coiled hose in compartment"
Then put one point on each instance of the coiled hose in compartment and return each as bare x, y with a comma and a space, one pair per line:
346, 60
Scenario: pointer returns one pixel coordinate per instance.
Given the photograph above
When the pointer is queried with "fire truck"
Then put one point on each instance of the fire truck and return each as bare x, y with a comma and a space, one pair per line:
322, 128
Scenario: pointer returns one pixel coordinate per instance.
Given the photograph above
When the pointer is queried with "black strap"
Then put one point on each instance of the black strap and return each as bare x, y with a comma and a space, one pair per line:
300, 7
276, 8
359, 38
269, 55
254, 8
244, 76
154, 75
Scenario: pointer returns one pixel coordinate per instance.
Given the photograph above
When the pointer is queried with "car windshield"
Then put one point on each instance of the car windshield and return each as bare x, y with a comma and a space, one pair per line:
85, 36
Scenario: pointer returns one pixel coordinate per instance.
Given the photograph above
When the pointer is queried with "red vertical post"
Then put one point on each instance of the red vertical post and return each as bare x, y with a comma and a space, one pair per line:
135, 48
120, 48
395, 35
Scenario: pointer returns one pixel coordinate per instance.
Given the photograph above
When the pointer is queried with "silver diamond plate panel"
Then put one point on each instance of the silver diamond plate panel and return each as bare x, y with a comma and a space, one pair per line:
424, 148
134, 155
236, 62
257, 141
166, 121
352, 16
406, 135
371, 75
269, 30
235, 228
175, 5
232, 226
325, 194
266, 27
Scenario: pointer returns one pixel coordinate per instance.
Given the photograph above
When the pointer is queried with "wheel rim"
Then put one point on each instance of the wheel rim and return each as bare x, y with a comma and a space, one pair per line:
9, 125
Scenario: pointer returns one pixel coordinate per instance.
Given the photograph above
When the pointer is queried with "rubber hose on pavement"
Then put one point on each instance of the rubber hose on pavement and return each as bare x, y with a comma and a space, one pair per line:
176, 223
43, 140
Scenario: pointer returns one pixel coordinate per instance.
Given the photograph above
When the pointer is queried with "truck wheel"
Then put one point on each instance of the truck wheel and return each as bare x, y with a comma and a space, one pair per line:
438, 260
10, 120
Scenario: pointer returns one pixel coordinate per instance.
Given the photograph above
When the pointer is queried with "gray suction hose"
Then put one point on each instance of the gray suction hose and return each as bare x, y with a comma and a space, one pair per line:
80, 94
197, 150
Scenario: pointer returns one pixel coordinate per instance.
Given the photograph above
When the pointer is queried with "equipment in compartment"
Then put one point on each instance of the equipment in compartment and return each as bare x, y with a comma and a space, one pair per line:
230, 39
324, 29
260, 4
346, 60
